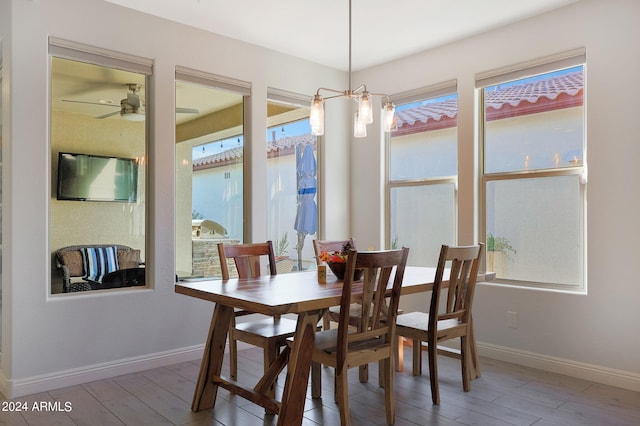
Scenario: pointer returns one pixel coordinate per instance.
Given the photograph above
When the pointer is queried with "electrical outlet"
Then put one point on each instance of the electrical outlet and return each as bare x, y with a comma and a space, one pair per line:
512, 319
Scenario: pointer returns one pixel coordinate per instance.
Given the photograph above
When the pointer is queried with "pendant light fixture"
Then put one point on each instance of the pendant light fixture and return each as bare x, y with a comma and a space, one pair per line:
360, 95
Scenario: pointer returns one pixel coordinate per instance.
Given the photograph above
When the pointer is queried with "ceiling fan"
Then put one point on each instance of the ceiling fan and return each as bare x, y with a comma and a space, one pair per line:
131, 108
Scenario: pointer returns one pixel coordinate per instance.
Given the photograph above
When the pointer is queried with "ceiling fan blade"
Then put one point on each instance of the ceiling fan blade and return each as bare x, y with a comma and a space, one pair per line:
108, 115
90, 103
187, 110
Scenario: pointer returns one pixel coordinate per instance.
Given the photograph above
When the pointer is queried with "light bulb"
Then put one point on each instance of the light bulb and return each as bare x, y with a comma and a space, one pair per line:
316, 116
359, 127
389, 117
365, 111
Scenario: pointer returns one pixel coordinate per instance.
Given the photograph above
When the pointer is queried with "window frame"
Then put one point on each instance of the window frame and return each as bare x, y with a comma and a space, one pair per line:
537, 67
426, 93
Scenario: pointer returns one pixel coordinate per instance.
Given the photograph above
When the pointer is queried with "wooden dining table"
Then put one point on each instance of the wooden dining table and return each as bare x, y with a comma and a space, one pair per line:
292, 293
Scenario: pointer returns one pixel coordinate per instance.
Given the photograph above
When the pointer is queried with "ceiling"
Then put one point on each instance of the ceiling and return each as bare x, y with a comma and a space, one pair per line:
382, 30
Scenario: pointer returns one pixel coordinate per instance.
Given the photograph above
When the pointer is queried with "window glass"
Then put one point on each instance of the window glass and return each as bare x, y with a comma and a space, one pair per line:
98, 193
423, 219
552, 105
422, 177
534, 179
292, 210
425, 142
209, 176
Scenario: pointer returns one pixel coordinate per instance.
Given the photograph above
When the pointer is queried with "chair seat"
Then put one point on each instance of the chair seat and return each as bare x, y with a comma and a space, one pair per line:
418, 321
267, 328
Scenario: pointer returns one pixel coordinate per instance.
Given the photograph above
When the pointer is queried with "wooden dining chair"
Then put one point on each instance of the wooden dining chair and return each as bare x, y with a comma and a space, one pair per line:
269, 333
333, 313
446, 320
331, 246
345, 347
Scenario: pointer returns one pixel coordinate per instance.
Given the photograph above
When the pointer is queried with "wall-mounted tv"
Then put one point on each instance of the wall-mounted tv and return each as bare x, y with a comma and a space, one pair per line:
84, 177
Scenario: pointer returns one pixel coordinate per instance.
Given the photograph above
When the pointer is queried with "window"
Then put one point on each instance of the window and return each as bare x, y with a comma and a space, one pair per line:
423, 167
535, 175
98, 142
292, 211
209, 170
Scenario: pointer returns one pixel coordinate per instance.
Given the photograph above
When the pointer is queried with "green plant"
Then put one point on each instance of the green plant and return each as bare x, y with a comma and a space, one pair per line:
394, 243
282, 245
196, 215
500, 244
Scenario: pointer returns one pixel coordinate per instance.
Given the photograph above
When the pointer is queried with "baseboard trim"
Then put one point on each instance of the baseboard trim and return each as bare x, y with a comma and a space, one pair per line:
594, 373
22, 387
31, 385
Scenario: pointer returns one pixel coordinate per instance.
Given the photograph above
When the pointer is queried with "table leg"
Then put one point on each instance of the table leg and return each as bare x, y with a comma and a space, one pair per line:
295, 387
206, 389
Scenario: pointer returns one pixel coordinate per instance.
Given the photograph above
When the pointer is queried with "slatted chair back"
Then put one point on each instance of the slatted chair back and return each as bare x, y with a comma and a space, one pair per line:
463, 262
247, 258
377, 320
330, 246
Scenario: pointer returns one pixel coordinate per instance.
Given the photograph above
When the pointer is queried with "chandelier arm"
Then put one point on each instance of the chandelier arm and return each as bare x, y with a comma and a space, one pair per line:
341, 92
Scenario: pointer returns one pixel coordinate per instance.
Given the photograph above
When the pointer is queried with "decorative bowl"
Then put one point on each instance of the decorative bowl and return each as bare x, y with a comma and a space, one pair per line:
338, 270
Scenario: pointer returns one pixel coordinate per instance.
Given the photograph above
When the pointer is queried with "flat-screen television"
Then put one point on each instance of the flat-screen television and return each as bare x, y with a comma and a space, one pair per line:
84, 177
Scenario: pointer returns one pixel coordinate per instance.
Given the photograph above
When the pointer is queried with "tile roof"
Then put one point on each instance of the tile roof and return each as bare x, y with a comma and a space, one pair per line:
546, 94
282, 146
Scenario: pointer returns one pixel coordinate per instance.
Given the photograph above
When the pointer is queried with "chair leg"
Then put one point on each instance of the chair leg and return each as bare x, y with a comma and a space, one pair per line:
433, 373
465, 361
417, 357
316, 380
326, 322
400, 354
326, 325
474, 352
233, 351
388, 390
364, 373
343, 397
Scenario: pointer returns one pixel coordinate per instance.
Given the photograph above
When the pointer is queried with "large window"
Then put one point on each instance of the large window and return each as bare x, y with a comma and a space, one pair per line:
423, 173
209, 170
535, 176
98, 141
292, 211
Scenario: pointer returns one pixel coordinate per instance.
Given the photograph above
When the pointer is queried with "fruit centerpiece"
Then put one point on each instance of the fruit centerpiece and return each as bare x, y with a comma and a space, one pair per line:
337, 262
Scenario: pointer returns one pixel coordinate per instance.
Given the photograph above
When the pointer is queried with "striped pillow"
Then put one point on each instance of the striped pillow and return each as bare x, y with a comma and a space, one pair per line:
99, 261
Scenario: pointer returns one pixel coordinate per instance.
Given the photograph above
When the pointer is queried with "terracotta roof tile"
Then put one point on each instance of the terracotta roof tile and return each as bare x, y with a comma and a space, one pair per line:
444, 114
284, 145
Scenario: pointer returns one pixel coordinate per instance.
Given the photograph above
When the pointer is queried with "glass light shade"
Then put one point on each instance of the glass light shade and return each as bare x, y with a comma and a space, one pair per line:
389, 117
359, 127
133, 116
316, 116
365, 110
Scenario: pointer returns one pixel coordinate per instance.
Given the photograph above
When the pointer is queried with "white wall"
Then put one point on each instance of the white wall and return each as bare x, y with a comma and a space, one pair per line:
50, 342
593, 335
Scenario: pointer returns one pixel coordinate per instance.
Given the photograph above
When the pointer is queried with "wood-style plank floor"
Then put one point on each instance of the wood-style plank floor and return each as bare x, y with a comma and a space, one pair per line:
506, 394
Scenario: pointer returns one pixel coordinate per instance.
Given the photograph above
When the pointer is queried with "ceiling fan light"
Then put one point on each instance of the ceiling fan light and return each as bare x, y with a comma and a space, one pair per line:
133, 116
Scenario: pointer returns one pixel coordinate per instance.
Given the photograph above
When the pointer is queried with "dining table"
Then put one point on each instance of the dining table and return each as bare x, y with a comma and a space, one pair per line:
299, 293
